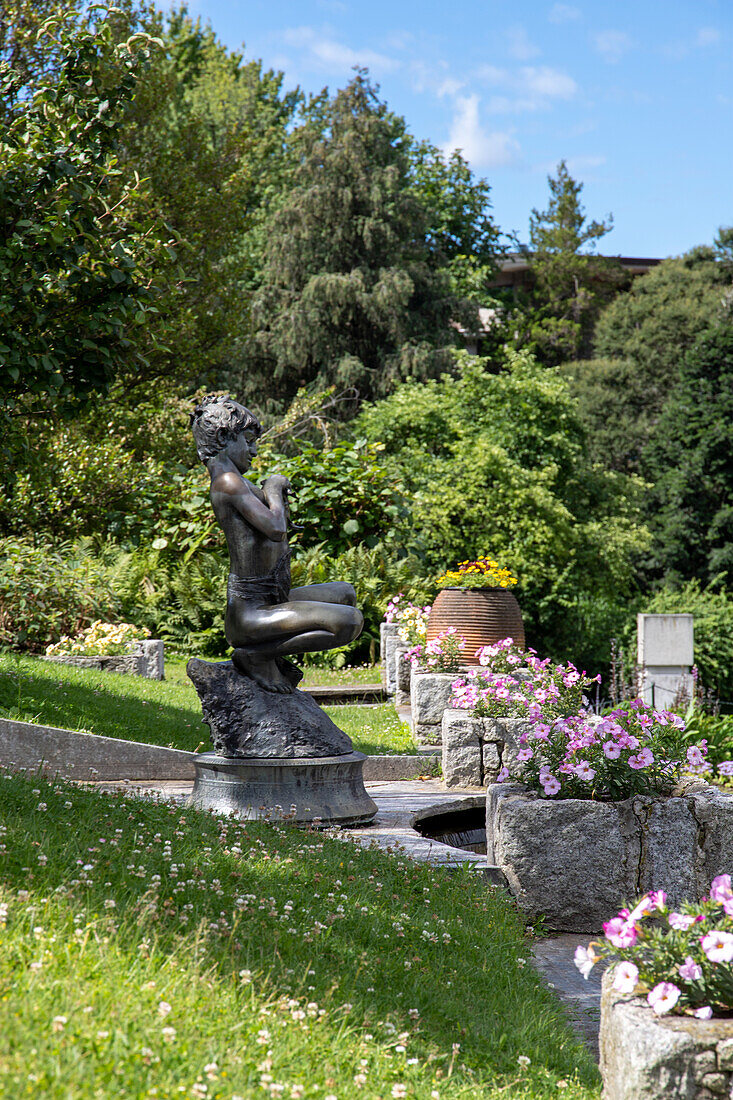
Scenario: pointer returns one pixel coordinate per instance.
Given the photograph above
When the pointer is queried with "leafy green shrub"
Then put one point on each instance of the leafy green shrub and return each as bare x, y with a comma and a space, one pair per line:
716, 729
377, 574
342, 496
181, 601
47, 591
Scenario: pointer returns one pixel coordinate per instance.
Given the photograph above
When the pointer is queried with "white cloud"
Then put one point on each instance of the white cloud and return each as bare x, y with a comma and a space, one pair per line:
327, 54
707, 36
530, 88
546, 82
449, 87
564, 13
483, 148
612, 45
491, 74
520, 45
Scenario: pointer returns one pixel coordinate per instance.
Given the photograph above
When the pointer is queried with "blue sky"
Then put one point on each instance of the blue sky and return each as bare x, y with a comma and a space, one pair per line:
637, 97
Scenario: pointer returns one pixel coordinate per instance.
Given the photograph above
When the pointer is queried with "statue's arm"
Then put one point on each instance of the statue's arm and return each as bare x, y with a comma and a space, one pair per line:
270, 518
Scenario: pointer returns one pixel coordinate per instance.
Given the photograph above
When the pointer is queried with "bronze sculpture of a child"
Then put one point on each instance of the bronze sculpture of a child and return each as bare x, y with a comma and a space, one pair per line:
266, 619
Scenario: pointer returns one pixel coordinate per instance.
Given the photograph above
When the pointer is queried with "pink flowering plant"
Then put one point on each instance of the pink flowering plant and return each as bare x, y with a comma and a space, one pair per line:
528, 688
441, 654
631, 751
680, 960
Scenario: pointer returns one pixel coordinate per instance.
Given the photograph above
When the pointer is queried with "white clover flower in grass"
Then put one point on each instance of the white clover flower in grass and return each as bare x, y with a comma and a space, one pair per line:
524, 1061
59, 1023
163, 1008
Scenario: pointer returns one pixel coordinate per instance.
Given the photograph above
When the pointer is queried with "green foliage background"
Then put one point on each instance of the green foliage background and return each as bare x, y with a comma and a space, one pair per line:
177, 221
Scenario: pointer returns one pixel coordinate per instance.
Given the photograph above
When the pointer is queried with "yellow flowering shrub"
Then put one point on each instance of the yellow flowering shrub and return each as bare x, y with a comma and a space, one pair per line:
100, 639
482, 573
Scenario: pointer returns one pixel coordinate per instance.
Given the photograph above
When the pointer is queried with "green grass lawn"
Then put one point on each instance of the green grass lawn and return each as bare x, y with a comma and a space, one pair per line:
152, 951
156, 712
175, 670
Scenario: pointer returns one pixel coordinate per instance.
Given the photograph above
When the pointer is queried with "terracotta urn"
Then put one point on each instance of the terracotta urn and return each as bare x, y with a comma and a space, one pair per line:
482, 616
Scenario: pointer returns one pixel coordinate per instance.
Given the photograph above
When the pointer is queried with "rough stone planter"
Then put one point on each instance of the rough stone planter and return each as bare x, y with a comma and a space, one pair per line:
391, 643
403, 676
576, 863
649, 1057
147, 661
430, 694
386, 630
474, 749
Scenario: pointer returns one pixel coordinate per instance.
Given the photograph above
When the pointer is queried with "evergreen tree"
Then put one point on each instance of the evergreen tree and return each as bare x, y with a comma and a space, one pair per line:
569, 286
352, 294
691, 462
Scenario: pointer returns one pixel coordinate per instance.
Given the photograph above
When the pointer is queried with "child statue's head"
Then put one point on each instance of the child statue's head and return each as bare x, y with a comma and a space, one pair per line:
217, 421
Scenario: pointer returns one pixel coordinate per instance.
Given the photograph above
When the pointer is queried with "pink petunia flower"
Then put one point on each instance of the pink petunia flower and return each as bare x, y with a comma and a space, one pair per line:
663, 997
720, 888
703, 1013
690, 970
680, 921
525, 754
611, 750
550, 786
585, 959
718, 946
695, 756
625, 978
620, 932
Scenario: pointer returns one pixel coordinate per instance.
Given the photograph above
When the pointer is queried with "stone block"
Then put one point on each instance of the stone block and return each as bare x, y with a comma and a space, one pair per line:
665, 640
568, 860
713, 812
430, 694
403, 676
506, 733
462, 750
86, 756
670, 847
724, 1049
152, 664
386, 630
391, 642
577, 862
648, 1057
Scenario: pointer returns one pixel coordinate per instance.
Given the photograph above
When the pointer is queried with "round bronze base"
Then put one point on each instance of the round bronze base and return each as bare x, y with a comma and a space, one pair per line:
323, 790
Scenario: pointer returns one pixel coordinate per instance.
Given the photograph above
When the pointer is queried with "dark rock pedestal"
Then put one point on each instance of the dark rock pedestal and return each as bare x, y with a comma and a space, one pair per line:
273, 752
327, 788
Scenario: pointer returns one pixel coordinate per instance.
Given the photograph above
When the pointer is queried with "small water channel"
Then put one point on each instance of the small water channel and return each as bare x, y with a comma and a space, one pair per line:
460, 824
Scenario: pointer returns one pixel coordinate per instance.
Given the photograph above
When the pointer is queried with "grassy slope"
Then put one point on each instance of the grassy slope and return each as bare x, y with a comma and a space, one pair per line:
361, 971
158, 713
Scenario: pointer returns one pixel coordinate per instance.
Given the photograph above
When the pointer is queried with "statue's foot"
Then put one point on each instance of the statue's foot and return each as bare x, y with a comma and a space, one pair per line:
263, 670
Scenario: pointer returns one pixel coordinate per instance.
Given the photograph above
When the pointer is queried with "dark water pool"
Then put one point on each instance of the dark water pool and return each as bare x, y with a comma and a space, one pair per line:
462, 825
